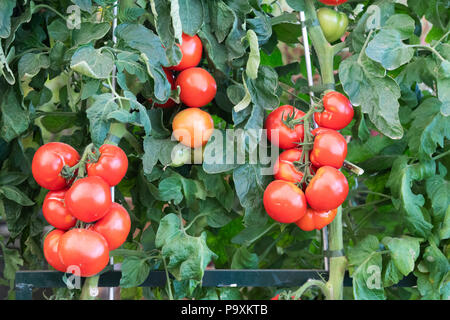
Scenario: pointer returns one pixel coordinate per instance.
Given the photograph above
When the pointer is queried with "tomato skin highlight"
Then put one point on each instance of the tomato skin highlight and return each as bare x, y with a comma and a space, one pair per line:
197, 87
89, 199
191, 49
112, 164
327, 190
287, 138
284, 201
48, 162
314, 219
192, 127
338, 111
84, 248
51, 243
333, 23
114, 226
329, 149
55, 211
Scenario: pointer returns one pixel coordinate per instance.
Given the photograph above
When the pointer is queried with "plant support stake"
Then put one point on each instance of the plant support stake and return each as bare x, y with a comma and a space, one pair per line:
311, 96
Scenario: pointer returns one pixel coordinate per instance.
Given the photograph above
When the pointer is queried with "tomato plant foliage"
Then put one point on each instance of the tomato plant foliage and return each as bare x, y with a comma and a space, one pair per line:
67, 76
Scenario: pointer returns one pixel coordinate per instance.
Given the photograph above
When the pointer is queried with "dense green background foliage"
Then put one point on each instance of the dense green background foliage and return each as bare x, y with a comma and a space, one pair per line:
56, 85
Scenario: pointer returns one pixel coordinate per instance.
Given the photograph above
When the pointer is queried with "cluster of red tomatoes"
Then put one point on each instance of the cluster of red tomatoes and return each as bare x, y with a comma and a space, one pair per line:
290, 198
192, 126
88, 224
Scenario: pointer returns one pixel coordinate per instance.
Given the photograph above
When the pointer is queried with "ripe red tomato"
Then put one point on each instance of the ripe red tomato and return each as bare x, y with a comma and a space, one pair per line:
338, 111
112, 164
327, 190
287, 138
333, 2
329, 149
314, 219
89, 199
114, 226
197, 87
51, 244
191, 49
84, 248
284, 201
55, 211
285, 169
192, 127
171, 78
48, 162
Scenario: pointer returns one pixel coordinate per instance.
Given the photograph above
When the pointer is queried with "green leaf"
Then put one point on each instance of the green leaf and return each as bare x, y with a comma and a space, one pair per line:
92, 62
58, 122
98, 113
431, 284
152, 52
170, 190
89, 31
135, 271
400, 182
244, 259
443, 87
6, 11
366, 269
438, 190
85, 5
31, 63
12, 261
5, 70
191, 15
253, 58
14, 194
404, 252
188, 256
428, 129
444, 232
367, 86
222, 19
12, 178
57, 30
263, 88
15, 119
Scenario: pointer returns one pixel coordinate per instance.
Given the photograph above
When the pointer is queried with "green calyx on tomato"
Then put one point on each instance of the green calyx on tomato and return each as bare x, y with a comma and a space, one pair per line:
333, 23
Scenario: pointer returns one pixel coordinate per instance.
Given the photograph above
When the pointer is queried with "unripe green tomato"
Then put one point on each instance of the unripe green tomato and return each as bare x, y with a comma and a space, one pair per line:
180, 155
333, 23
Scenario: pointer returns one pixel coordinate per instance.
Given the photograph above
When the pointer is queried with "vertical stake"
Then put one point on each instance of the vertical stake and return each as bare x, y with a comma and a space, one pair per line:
311, 96
113, 83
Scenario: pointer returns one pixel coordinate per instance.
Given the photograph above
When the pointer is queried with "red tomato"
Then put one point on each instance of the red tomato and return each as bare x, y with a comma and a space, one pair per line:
338, 111
89, 199
55, 211
48, 162
285, 169
191, 49
170, 77
327, 190
51, 243
333, 2
329, 149
197, 87
287, 138
114, 226
284, 201
85, 249
112, 164
314, 219
192, 127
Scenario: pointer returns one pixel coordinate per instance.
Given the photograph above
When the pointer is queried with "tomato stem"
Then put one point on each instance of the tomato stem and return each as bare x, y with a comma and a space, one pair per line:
90, 288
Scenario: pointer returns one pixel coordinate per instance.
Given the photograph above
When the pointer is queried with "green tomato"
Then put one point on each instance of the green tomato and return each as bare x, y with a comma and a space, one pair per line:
180, 155
333, 23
